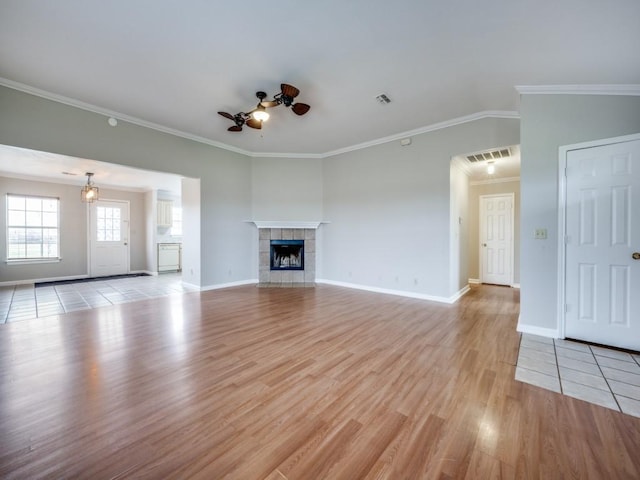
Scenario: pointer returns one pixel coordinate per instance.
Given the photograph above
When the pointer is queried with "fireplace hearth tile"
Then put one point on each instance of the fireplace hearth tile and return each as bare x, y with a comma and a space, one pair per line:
264, 234
310, 246
276, 276
286, 278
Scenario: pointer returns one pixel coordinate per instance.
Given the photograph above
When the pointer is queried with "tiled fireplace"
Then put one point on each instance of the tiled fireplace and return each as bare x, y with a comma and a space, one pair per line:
287, 257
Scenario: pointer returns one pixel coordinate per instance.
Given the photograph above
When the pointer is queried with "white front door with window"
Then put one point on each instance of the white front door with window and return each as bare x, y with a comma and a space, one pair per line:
602, 278
108, 238
496, 239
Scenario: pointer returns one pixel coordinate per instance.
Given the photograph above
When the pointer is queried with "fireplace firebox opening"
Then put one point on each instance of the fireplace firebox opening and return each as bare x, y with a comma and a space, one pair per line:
287, 254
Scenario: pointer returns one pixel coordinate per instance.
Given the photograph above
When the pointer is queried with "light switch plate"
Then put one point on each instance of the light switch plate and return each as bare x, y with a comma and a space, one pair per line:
540, 234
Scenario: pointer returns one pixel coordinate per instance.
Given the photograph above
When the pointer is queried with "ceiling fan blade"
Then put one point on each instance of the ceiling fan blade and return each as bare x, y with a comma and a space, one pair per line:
300, 108
289, 90
269, 104
235, 128
253, 123
226, 115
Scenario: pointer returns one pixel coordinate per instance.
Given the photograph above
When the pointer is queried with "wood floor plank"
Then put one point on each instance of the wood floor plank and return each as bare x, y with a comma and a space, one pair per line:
293, 384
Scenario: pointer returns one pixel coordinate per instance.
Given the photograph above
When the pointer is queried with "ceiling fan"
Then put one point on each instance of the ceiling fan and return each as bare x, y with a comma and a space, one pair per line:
258, 115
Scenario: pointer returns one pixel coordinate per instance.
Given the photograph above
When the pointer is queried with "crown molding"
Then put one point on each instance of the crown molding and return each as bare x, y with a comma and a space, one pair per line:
629, 90
495, 180
284, 155
178, 133
117, 115
429, 128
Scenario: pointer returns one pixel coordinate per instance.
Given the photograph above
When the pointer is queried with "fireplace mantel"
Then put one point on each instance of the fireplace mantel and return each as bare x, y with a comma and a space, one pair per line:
286, 224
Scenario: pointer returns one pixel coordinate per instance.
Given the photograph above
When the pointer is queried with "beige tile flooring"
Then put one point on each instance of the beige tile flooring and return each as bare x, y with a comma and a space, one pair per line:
23, 302
603, 376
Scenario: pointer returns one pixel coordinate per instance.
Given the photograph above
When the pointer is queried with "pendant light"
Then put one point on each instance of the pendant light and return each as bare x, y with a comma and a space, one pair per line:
89, 192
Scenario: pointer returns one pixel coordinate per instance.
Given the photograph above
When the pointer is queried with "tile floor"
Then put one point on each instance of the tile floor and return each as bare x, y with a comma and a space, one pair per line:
603, 376
23, 302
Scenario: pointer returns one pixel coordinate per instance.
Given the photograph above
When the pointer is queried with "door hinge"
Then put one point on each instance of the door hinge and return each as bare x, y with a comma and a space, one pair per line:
567, 308
567, 239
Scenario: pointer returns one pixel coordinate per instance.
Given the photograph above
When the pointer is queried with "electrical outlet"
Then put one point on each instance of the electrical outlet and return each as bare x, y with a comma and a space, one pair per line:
540, 234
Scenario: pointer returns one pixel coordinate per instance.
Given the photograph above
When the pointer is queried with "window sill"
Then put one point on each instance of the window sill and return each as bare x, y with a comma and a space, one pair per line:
31, 261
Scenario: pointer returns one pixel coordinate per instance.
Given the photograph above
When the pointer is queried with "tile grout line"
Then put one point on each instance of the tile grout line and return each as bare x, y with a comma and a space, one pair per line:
555, 354
606, 380
13, 294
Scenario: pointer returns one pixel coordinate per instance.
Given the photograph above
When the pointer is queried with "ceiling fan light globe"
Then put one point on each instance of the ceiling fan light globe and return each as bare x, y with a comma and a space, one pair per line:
260, 115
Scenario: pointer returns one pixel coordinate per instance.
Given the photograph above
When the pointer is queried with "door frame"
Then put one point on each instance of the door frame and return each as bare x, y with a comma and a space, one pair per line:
563, 151
90, 238
512, 196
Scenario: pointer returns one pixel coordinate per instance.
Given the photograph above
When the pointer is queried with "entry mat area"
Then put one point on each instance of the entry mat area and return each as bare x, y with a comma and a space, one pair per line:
604, 376
90, 279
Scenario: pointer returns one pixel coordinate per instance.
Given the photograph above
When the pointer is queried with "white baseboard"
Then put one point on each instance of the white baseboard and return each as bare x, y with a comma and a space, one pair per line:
400, 293
535, 330
454, 298
226, 285
474, 280
515, 285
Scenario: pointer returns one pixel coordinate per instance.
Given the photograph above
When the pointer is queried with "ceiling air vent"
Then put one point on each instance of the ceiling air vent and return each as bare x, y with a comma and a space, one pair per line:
383, 99
489, 156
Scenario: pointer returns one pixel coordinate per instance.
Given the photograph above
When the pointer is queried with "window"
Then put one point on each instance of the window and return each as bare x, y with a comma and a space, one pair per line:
32, 227
176, 225
108, 224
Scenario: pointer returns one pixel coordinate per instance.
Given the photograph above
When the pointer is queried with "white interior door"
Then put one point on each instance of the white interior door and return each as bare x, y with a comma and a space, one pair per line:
602, 279
108, 238
496, 239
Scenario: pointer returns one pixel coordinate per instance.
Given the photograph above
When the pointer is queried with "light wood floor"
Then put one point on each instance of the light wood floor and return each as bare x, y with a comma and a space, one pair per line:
324, 383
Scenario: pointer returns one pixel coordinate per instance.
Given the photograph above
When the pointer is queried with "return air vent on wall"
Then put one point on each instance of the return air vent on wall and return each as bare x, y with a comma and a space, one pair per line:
489, 156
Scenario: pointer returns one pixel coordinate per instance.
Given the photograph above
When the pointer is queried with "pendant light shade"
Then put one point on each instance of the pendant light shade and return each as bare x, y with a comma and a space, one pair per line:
89, 192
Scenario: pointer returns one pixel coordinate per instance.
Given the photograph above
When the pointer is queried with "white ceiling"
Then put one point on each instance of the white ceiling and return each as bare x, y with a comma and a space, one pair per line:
175, 64
34, 165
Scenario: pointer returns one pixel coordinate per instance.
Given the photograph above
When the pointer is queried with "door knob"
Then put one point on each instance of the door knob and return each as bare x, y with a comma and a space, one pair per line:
635, 255
484, 244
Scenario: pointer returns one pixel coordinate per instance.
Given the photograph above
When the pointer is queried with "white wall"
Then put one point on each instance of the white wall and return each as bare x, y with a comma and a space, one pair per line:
389, 206
286, 189
73, 230
150, 225
389, 209
192, 238
225, 195
459, 227
548, 122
